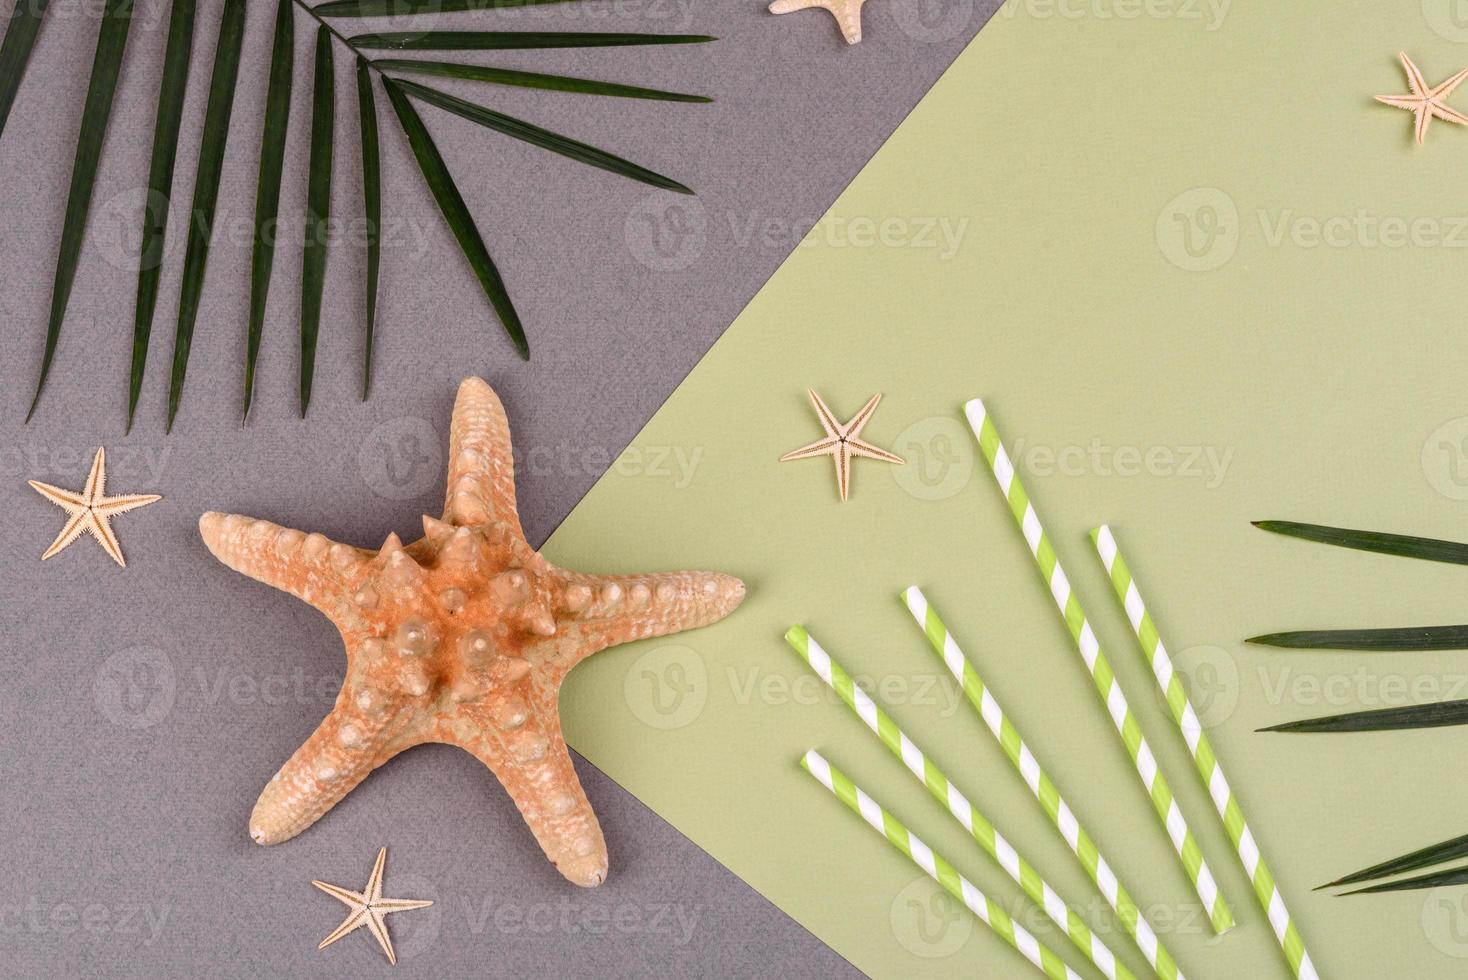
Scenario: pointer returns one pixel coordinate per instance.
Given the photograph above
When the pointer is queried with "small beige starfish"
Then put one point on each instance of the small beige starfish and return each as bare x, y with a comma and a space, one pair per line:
841, 442
368, 908
91, 511
846, 12
1424, 102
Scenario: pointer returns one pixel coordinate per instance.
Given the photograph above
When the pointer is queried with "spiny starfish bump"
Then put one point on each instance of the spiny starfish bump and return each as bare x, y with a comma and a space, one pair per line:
1425, 102
842, 441
90, 511
461, 637
846, 12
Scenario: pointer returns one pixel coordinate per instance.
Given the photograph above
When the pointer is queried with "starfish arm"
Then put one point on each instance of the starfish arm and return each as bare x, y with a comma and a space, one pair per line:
1448, 114
362, 732
1414, 77
96, 484
623, 608
859, 421
481, 485
355, 920
373, 891
75, 526
860, 447
65, 499
378, 927
1410, 102
1445, 89
344, 895
112, 506
843, 470
828, 419
524, 748
308, 566
1424, 116
846, 12
386, 905
821, 447
101, 529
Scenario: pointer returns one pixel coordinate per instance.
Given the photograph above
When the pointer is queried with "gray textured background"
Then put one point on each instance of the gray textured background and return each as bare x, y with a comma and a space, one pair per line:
142, 710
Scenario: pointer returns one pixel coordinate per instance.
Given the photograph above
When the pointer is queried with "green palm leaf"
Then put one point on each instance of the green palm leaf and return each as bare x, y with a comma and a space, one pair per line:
318, 208
372, 208
511, 40
117, 19
536, 136
1429, 549
206, 190
267, 187
1438, 714
1424, 858
171, 90
1438, 879
1396, 639
26, 20
530, 79
15, 50
456, 213
395, 8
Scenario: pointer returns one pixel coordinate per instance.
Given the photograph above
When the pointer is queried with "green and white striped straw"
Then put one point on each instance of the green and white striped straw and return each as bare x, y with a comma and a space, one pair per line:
1054, 805
955, 884
958, 806
1096, 662
1209, 767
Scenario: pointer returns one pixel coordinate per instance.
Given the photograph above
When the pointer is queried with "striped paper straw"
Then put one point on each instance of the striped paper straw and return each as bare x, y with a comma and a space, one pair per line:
955, 884
1208, 766
957, 804
1054, 805
1090, 648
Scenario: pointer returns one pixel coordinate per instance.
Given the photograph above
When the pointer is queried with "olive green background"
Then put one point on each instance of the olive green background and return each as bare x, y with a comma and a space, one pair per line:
1184, 236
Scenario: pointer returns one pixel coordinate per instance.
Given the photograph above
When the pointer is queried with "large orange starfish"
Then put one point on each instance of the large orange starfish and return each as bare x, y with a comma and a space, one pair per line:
461, 637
